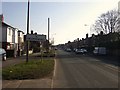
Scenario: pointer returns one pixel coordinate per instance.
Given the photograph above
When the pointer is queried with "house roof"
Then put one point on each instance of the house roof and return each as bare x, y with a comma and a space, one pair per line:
20, 31
3, 23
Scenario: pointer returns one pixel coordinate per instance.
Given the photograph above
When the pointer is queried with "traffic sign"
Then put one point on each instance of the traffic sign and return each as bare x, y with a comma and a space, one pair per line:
35, 37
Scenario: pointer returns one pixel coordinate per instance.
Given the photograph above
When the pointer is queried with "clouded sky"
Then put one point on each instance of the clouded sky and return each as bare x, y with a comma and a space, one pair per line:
67, 18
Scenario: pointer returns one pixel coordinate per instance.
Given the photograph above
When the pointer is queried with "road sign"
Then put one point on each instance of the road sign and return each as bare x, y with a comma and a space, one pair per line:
35, 37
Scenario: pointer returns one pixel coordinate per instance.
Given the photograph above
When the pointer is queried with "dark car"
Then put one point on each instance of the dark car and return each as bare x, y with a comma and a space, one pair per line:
2, 54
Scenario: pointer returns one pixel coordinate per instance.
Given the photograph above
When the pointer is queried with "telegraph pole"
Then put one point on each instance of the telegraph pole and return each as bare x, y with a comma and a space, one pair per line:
48, 32
48, 27
27, 45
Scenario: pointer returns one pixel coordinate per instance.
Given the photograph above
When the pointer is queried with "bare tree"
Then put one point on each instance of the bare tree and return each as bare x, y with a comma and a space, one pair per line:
117, 27
107, 22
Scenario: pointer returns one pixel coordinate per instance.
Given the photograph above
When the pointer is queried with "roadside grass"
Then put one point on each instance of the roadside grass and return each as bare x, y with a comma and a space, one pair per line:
32, 70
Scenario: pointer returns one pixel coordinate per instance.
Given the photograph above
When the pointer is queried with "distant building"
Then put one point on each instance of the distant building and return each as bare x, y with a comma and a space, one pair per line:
34, 44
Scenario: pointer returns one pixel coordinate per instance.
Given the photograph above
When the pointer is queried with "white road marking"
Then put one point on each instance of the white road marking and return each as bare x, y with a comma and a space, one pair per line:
54, 72
20, 83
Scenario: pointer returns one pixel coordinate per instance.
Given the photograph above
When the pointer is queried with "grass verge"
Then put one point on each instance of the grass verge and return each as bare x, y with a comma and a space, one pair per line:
31, 70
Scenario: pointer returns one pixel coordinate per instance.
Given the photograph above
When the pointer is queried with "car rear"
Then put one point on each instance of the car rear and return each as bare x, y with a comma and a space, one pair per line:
2, 54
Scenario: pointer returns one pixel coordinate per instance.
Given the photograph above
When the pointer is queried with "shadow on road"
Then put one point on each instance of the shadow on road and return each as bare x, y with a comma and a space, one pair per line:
105, 59
108, 59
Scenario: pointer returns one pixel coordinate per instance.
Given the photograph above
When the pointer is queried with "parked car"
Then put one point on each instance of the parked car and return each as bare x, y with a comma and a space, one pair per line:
74, 49
2, 54
99, 51
81, 51
56, 48
68, 50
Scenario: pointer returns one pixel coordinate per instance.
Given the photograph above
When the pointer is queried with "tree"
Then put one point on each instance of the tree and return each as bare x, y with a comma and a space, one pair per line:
107, 22
118, 22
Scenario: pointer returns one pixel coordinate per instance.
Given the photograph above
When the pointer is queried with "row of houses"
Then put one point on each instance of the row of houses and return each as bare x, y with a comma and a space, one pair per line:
111, 41
12, 40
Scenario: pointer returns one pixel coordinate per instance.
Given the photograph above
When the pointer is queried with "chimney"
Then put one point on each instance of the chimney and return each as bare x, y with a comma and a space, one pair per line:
101, 33
87, 35
2, 18
93, 35
31, 31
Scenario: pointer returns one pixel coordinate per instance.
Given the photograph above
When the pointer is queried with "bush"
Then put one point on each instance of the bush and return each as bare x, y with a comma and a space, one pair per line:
51, 53
31, 70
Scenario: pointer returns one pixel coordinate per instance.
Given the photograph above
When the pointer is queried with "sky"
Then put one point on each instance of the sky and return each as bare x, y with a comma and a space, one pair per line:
69, 19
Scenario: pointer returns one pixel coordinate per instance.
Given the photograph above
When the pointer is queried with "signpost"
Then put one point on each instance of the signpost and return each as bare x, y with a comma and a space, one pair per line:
34, 37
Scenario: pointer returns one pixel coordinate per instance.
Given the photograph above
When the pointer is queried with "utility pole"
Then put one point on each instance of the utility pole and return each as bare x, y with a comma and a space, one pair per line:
48, 32
27, 44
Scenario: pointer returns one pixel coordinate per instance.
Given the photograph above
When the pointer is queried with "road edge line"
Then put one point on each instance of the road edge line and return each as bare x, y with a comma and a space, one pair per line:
54, 71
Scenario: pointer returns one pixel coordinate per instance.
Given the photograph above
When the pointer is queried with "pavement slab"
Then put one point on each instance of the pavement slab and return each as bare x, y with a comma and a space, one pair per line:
35, 83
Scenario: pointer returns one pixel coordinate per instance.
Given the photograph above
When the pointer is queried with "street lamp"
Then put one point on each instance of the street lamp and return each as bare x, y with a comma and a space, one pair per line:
86, 25
52, 38
27, 44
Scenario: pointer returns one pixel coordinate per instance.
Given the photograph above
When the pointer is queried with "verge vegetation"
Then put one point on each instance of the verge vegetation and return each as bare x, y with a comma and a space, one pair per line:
32, 70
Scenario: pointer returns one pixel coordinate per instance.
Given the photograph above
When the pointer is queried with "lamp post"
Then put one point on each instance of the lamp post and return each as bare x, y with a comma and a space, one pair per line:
27, 44
86, 25
48, 33
52, 38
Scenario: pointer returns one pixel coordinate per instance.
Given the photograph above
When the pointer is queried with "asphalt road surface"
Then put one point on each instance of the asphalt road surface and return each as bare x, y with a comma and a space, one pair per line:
83, 71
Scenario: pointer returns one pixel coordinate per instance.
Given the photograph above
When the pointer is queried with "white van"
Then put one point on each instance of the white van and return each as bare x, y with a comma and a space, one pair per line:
99, 51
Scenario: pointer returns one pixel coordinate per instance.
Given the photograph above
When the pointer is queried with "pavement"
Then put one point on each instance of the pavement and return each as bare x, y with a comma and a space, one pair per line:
13, 61
74, 71
20, 59
35, 83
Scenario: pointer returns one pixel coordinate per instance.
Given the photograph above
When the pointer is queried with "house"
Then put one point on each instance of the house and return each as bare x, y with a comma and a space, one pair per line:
20, 42
9, 39
37, 41
1, 20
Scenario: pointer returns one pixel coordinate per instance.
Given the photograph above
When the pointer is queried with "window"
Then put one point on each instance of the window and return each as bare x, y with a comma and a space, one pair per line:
9, 31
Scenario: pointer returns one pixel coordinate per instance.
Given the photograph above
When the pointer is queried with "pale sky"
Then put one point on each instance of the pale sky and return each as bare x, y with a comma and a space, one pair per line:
67, 17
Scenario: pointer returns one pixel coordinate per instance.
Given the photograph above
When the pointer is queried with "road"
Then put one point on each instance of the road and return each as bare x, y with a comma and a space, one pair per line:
83, 71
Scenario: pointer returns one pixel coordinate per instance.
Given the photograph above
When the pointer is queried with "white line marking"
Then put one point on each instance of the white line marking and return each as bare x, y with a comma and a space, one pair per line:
20, 83
54, 72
